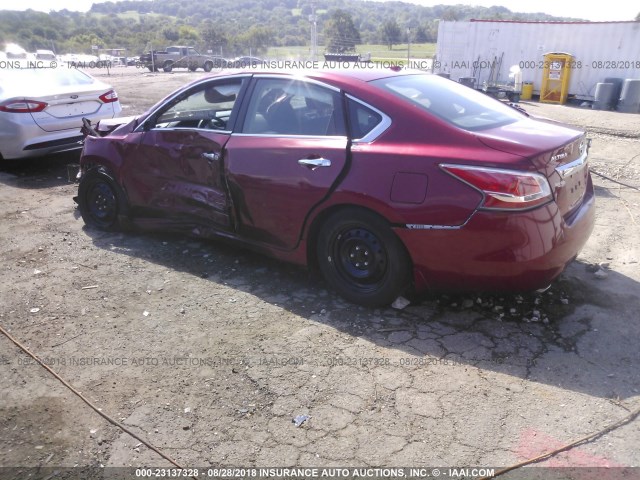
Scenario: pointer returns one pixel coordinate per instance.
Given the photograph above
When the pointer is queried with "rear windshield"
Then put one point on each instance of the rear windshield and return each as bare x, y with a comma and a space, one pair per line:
455, 103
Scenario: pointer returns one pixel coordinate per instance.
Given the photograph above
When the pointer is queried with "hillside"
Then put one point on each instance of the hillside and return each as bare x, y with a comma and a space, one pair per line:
227, 26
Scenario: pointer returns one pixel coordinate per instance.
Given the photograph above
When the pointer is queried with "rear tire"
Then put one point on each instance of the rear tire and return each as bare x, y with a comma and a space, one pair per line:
208, 66
167, 66
99, 200
362, 259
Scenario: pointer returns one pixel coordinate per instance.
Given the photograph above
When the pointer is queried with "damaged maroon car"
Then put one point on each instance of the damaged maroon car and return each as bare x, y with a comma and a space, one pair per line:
386, 181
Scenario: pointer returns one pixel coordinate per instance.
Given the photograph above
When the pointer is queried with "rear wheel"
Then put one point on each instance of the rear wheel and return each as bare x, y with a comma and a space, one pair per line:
208, 66
362, 258
99, 200
167, 66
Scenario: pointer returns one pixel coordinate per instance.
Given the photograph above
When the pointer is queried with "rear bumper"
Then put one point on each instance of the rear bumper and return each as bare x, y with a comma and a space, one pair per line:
32, 141
500, 251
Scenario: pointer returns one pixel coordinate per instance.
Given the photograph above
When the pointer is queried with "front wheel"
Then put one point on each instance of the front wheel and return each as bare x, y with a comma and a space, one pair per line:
362, 259
99, 201
167, 66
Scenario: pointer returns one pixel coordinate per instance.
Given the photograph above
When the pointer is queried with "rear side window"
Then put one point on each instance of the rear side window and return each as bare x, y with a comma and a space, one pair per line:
362, 119
459, 105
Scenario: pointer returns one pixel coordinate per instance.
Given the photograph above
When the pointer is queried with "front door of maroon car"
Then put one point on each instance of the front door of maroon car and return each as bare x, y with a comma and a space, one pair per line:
251, 156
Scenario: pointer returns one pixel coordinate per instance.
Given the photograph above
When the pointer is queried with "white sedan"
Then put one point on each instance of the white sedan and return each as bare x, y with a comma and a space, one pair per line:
41, 109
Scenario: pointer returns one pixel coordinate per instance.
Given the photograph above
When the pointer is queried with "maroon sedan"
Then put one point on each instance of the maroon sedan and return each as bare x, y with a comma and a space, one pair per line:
384, 180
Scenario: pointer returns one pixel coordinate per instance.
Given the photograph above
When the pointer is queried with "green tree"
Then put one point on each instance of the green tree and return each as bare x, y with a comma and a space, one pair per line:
421, 35
341, 33
257, 39
451, 14
188, 35
213, 38
391, 32
170, 34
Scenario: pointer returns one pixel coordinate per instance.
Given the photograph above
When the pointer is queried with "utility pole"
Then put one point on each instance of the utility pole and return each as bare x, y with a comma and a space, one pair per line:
408, 46
314, 32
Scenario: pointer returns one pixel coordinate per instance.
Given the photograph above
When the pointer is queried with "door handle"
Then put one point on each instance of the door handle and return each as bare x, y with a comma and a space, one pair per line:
212, 157
315, 162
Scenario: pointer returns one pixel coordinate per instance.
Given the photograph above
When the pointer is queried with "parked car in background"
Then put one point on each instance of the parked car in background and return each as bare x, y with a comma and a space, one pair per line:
45, 55
41, 110
247, 62
14, 51
385, 180
181, 57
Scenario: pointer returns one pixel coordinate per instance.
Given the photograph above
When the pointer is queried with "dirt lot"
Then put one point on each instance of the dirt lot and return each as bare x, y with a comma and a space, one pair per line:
208, 352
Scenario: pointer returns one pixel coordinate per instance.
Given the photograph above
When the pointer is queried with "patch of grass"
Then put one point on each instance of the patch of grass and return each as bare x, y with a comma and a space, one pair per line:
377, 51
418, 50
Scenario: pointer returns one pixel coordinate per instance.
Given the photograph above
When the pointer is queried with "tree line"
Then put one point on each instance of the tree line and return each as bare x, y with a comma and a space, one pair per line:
231, 27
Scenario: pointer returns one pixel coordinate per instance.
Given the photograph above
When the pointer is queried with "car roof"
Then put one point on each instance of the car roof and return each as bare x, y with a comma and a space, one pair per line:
331, 76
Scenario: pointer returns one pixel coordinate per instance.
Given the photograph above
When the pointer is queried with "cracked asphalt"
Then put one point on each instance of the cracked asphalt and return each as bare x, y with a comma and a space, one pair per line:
209, 352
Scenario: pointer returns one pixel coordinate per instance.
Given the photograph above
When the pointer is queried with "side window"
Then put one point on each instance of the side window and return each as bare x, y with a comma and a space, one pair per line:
293, 107
208, 107
362, 119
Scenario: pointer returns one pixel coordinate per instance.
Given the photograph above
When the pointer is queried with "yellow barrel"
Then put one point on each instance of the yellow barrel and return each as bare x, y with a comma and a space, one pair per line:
527, 91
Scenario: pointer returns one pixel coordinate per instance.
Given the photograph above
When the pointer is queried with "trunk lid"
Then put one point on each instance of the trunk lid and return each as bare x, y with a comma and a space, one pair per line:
64, 111
556, 150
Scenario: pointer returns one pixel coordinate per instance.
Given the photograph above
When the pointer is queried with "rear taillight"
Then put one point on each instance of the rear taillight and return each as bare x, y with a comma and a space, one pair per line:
22, 106
109, 97
504, 189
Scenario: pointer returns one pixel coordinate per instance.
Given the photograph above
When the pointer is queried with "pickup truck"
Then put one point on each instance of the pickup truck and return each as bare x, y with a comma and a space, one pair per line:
181, 57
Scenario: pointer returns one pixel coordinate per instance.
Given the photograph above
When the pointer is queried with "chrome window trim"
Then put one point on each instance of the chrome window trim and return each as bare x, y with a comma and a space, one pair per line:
288, 135
379, 129
187, 129
140, 128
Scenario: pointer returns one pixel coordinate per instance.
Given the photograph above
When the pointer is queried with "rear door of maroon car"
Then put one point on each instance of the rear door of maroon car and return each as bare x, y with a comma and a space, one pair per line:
176, 170
286, 156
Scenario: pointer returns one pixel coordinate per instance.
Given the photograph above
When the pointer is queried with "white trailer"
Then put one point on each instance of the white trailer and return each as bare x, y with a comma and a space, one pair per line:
600, 50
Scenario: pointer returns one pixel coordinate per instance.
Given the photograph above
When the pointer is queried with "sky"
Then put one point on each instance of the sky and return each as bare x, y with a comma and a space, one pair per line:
594, 11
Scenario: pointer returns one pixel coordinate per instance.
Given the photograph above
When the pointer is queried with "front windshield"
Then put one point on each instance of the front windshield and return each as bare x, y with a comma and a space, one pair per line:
455, 103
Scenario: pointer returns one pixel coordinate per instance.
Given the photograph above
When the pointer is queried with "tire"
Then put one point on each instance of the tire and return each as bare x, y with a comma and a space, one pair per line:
100, 201
208, 66
362, 259
167, 66
193, 68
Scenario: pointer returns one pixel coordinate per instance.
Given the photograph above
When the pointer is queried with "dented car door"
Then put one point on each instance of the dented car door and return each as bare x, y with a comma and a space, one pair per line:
177, 168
